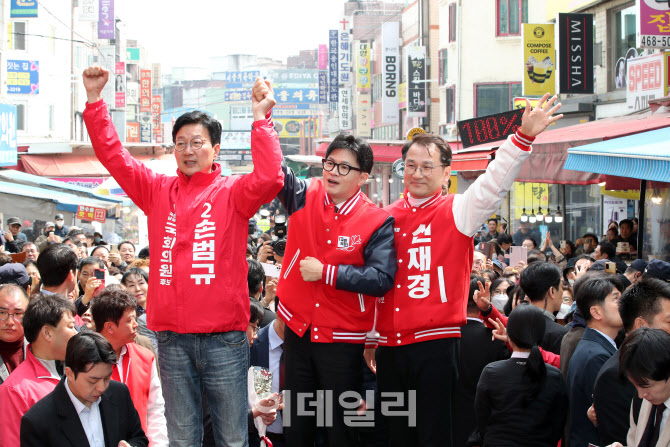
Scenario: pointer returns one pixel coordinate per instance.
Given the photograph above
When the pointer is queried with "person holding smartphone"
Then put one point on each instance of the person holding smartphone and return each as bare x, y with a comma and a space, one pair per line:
48, 237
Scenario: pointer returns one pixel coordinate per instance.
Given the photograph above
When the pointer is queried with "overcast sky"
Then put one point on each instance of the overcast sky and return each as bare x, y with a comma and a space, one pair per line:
188, 32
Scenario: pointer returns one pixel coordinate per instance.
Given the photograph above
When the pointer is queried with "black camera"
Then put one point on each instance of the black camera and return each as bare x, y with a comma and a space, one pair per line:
280, 230
279, 246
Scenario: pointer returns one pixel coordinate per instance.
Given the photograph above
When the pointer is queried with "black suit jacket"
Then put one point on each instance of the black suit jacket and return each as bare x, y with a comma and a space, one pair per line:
553, 336
477, 351
53, 421
612, 399
502, 417
591, 354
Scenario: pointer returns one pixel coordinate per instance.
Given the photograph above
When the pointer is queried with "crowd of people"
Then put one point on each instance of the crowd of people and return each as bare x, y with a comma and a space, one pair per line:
351, 326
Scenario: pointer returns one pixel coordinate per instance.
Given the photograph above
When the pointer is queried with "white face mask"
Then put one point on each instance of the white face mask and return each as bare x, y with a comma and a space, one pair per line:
571, 282
565, 309
60, 223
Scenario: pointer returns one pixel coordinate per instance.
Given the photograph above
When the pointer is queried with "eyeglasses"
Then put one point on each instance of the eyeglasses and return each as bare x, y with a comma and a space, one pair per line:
18, 316
195, 143
255, 328
342, 168
427, 171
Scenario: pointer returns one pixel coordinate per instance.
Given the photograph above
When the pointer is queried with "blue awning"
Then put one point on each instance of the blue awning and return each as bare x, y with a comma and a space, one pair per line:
643, 156
64, 201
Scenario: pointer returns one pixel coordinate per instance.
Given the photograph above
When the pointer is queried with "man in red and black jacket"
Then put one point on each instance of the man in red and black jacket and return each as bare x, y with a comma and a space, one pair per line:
419, 321
339, 256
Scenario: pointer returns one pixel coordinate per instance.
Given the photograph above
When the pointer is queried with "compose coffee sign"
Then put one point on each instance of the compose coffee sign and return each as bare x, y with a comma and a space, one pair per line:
489, 128
575, 55
538, 43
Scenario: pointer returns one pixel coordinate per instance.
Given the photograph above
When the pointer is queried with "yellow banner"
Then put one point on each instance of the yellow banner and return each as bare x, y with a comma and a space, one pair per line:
402, 95
453, 186
530, 196
296, 127
630, 194
10, 35
520, 103
362, 66
539, 52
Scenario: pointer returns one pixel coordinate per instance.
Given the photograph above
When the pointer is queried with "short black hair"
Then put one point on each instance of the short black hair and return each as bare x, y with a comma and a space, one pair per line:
591, 235
86, 349
628, 222
257, 311
197, 117
135, 271
364, 155
55, 263
493, 219
584, 256
644, 356
144, 253
593, 290
535, 255
91, 260
538, 278
98, 247
643, 300
607, 248
426, 140
505, 238
255, 276
532, 239
110, 305
45, 309
129, 243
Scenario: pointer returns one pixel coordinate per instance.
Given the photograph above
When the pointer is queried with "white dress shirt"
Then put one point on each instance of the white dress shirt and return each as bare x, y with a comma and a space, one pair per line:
156, 423
275, 350
90, 419
609, 339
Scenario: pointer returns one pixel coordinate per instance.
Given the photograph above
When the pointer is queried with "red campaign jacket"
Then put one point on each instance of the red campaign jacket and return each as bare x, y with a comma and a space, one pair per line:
355, 245
26, 385
435, 248
137, 365
197, 229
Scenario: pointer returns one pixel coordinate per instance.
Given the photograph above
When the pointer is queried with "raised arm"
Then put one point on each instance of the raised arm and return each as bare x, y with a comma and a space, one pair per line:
266, 180
137, 180
484, 196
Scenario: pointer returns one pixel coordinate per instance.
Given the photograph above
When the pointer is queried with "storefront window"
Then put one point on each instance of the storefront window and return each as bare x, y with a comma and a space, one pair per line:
533, 199
580, 215
623, 45
657, 222
583, 213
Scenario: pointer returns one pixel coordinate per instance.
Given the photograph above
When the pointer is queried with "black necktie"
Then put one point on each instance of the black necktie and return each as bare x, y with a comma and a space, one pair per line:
653, 429
59, 368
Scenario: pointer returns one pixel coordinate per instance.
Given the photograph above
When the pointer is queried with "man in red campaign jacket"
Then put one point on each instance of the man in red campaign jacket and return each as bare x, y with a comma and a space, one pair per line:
198, 225
419, 320
339, 256
114, 315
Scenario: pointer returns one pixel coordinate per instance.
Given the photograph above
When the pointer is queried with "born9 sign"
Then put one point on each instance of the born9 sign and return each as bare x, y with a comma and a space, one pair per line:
489, 128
